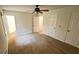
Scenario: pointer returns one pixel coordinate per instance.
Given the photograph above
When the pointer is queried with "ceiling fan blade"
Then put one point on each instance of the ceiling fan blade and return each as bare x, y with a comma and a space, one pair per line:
44, 10
40, 12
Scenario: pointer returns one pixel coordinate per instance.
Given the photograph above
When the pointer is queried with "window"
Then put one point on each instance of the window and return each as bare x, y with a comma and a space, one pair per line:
11, 23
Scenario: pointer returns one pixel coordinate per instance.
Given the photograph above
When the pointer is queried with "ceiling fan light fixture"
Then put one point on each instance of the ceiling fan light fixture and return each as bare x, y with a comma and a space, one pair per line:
37, 10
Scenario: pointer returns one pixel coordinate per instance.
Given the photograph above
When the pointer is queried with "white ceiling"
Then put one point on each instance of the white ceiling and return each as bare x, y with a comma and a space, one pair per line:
29, 8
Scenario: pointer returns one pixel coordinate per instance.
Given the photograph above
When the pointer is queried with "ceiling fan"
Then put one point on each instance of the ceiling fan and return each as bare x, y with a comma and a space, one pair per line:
38, 10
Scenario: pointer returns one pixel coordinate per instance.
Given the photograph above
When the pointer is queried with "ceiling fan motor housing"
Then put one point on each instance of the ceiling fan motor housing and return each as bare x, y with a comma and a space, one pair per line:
37, 9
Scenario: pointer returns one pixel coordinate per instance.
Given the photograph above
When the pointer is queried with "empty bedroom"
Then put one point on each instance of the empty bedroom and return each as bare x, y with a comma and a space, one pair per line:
39, 29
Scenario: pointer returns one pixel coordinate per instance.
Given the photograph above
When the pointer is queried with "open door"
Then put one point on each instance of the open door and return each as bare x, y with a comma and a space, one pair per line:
3, 41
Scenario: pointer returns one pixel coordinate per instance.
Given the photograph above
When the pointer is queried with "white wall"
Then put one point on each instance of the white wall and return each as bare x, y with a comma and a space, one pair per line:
23, 22
57, 23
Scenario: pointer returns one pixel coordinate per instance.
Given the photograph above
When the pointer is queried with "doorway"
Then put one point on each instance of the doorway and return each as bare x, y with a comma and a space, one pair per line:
10, 27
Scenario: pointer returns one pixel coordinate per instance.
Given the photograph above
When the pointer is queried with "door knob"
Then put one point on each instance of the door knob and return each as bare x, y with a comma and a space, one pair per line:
68, 30
59, 26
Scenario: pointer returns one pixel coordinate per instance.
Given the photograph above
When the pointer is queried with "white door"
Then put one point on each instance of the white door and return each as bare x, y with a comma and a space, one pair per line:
52, 24
3, 41
73, 30
61, 25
